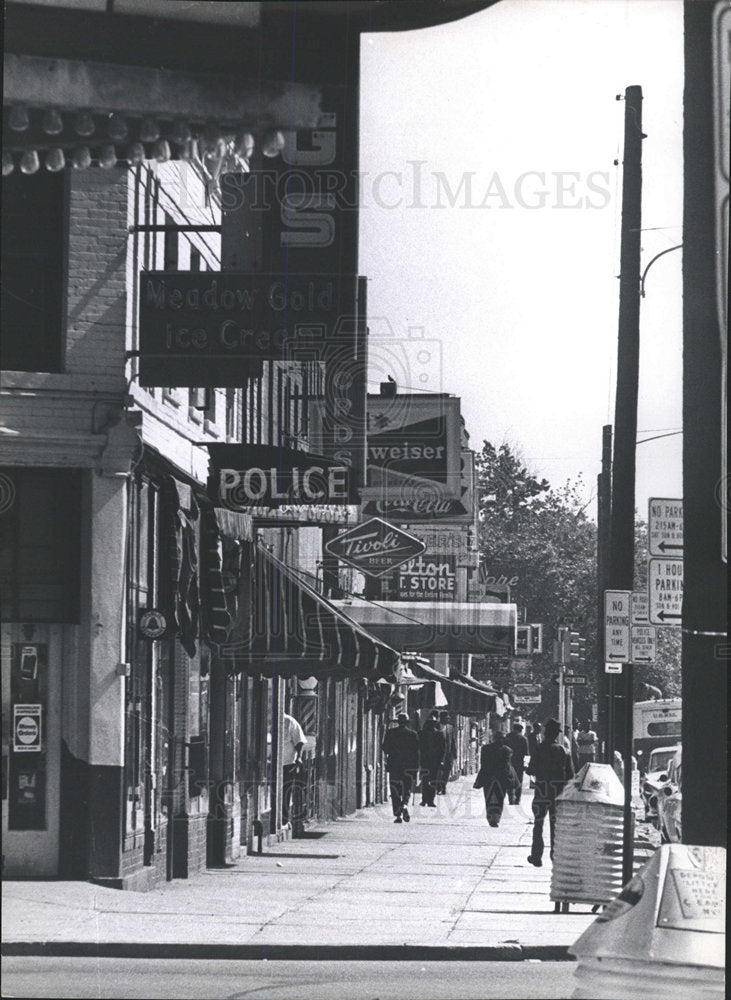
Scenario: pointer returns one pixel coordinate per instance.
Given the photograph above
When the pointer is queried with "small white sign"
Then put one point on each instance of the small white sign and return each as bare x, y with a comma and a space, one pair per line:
644, 643
640, 608
617, 625
27, 733
612, 668
665, 527
665, 588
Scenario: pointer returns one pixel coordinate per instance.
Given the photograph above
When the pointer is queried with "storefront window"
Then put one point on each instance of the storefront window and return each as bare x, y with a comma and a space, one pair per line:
40, 532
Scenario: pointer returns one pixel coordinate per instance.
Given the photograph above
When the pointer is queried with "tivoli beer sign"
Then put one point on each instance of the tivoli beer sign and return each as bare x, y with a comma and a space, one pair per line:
375, 547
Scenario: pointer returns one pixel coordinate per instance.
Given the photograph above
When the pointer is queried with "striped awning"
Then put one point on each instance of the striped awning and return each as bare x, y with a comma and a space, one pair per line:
288, 629
464, 696
438, 626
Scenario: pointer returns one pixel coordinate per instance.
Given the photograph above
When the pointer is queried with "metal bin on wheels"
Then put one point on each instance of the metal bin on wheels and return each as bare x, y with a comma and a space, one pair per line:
587, 855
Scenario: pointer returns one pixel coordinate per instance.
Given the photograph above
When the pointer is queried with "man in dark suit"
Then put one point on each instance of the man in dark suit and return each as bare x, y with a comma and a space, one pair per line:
551, 767
519, 745
401, 747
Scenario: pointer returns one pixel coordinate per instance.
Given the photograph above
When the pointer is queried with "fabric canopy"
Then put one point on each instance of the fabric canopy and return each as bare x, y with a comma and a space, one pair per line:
464, 696
438, 626
286, 628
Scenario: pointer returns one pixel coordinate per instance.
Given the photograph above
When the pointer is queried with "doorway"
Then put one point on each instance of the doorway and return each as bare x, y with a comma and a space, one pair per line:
31, 750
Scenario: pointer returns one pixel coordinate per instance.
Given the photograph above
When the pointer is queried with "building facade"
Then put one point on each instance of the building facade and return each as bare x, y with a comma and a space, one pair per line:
146, 665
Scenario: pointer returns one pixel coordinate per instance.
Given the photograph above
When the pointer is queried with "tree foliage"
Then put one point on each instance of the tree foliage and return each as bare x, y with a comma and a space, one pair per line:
542, 536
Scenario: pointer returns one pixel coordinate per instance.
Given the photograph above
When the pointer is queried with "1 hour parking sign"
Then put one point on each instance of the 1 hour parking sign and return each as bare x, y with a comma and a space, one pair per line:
665, 587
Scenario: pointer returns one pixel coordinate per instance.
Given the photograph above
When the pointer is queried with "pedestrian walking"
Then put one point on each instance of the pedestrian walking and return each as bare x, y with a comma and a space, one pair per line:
431, 758
588, 744
293, 740
450, 752
551, 768
534, 739
401, 747
573, 748
519, 746
496, 778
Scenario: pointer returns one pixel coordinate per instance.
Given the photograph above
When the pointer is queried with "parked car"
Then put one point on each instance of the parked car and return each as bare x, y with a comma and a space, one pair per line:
656, 777
670, 802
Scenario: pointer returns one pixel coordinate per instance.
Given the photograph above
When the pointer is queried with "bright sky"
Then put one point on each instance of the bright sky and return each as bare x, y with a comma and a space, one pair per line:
513, 285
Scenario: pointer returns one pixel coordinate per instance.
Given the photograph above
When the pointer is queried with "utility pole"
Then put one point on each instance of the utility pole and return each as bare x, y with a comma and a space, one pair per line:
605, 682
705, 475
622, 520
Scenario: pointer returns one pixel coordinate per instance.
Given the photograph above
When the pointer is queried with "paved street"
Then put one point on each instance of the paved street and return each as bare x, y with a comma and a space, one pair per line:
142, 978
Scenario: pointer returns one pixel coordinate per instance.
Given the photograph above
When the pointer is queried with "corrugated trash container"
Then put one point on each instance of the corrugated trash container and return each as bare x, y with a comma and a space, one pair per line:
587, 855
664, 936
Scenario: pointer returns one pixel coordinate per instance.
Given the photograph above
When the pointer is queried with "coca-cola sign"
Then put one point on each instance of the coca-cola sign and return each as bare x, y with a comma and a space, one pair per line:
375, 547
415, 507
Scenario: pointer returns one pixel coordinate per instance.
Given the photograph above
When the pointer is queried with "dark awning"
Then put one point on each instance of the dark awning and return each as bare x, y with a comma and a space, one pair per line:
286, 628
438, 626
464, 697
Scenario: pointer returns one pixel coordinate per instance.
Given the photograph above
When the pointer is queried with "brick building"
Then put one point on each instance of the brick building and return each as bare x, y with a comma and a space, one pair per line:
140, 742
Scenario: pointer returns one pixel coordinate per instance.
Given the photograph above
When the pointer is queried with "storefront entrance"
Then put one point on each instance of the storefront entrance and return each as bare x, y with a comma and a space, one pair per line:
31, 704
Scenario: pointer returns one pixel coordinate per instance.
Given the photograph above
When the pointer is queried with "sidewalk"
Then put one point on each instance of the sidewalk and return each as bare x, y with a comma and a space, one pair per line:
445, 885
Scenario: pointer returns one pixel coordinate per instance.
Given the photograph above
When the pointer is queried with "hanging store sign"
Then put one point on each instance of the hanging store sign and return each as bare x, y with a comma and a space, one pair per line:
411, 499
418, 449
195, 326
375, 547
527, 694
281, 484
413, 435
427, 577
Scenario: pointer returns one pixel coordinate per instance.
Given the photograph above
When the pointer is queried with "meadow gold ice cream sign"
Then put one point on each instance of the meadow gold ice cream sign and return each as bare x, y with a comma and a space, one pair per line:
194, 326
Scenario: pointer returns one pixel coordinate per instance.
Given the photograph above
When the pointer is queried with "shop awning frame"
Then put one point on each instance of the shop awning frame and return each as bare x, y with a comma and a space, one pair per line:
464, 696
287, 629
438, 626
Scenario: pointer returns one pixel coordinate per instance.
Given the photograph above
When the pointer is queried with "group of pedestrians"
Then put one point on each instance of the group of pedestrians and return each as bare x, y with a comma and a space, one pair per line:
552, 762
501, 775
429, 754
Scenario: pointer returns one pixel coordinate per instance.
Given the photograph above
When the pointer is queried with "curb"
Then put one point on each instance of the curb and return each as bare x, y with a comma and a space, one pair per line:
295, 952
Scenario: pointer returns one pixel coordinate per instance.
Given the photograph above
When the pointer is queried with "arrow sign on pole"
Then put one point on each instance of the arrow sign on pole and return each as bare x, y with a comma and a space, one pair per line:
644, 639
665, 527
640, 608
617, 624
665, 589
